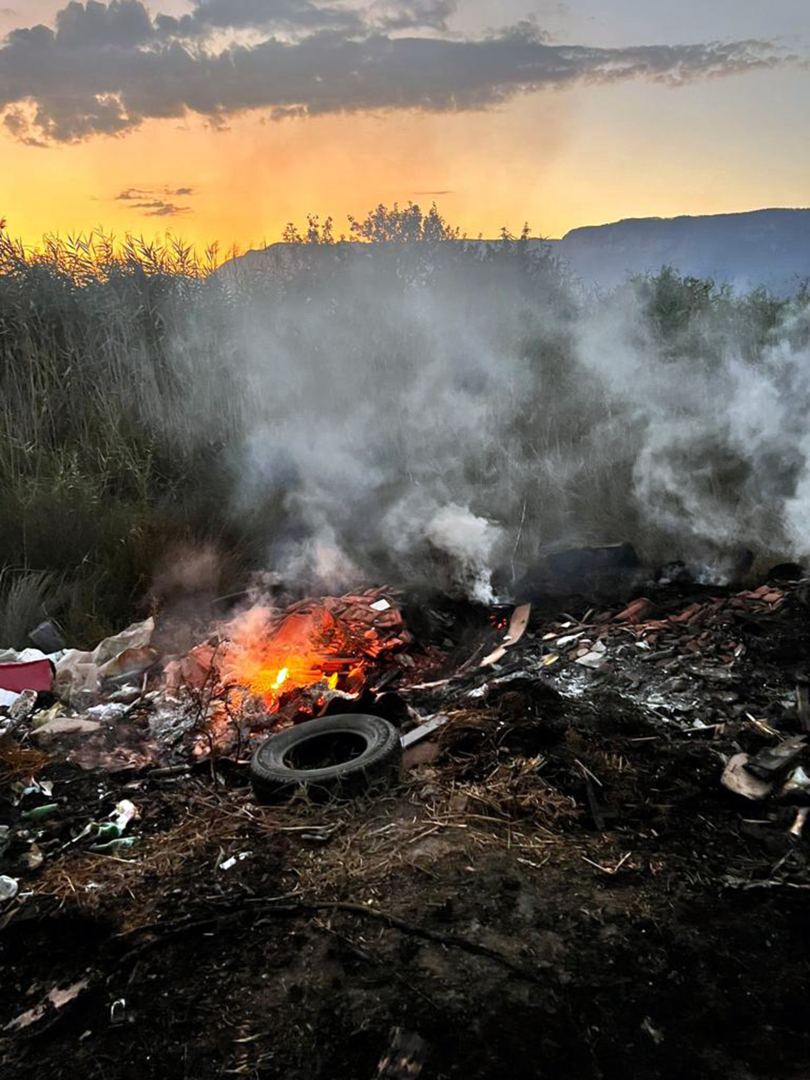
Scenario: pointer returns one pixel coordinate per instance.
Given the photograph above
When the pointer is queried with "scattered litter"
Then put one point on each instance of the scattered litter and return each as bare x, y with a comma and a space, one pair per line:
68, 725
44, 716
798, 783
47, 637
109, 713
7, 698
228, 864
132, 661
655, 1033
494, 656
107, 836
33, 858
22, 656
775, 761
41, 813
797, 828
517, 624
594, 657
124, 813
118, 846
56, 999
9, 887
514, 632
27, 675
22, 708
423, 730
738, 778
635, 611
127, 695
79, 675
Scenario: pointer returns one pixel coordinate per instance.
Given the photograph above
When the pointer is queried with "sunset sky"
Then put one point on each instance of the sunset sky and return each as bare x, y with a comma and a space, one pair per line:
224, 119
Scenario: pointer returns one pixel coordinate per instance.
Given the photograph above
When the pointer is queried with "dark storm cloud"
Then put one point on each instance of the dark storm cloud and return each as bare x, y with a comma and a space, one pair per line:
105, 68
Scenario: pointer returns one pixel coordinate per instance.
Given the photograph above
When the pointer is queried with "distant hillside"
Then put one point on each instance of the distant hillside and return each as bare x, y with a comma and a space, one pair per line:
762, 247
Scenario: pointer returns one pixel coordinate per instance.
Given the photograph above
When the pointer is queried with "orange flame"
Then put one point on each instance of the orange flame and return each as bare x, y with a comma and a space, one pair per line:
268, 657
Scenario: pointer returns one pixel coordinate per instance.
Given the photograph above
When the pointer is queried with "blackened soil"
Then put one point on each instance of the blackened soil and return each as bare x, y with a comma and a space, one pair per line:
658, 968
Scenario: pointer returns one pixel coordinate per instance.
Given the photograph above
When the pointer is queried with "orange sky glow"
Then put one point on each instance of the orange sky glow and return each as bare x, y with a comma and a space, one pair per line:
557, 158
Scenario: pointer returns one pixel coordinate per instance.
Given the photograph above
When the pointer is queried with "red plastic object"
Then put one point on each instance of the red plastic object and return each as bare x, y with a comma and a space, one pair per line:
35, 675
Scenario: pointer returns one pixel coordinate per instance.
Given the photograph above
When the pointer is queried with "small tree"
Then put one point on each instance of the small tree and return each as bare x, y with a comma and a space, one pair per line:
408, 225
382, 225
315, 232
508, 237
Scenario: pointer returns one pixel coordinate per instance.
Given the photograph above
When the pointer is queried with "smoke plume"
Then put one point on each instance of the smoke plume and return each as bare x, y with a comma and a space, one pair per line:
430, 413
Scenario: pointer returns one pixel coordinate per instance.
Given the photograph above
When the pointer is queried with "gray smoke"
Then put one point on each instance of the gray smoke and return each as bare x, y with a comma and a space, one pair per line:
716, 423
430, 413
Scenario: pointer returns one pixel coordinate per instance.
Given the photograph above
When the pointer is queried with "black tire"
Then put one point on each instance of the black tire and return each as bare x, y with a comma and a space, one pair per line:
365, 752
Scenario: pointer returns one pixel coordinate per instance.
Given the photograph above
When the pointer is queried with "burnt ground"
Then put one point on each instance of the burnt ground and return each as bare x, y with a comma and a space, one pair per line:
561, 888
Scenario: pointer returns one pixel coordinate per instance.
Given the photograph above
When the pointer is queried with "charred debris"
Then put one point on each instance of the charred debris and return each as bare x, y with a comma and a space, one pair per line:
603, 785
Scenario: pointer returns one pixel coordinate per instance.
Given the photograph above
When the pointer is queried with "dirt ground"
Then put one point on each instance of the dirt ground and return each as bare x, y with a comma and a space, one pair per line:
560, 887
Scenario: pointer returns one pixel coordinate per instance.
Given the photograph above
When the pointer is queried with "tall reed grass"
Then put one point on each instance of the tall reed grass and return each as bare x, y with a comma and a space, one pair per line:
93, 477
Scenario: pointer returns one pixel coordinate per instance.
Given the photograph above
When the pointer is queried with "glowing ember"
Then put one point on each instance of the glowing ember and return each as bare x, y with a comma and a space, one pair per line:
328, 644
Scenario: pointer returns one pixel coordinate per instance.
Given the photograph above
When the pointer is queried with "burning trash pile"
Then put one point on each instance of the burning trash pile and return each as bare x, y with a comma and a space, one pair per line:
278, 665
126, 705
130, 704
338, 688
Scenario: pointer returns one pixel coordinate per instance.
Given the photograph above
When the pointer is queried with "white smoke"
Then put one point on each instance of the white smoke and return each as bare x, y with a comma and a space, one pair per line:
394, 420
470, 541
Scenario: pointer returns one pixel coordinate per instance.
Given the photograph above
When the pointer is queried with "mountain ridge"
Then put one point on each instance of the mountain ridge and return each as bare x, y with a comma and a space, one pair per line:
767, 248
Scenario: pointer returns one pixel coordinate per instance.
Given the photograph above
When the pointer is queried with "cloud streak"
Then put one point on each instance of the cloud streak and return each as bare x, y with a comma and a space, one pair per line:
103, 69
156, 202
